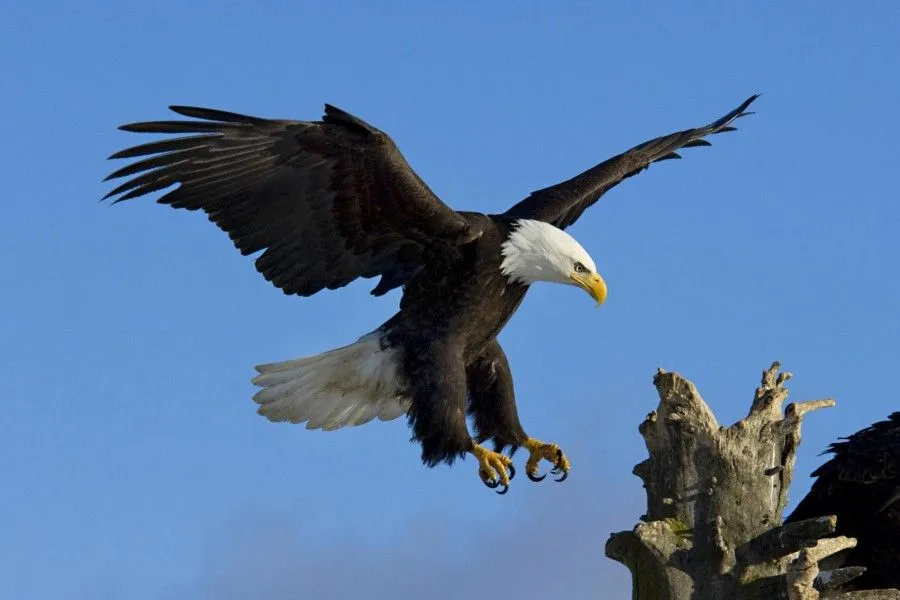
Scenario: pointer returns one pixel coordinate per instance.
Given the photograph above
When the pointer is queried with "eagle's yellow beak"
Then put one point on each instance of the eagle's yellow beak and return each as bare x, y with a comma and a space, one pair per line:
592, 283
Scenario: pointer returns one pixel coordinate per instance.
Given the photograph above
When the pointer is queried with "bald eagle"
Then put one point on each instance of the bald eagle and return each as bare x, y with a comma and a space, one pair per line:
329, 201
860, 485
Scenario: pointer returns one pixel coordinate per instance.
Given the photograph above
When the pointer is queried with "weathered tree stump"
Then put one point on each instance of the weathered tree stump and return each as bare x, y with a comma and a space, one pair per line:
715, 497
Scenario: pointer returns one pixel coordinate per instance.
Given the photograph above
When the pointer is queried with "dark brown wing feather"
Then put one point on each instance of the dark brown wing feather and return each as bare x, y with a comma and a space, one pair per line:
860, 484
562, 204
326, 201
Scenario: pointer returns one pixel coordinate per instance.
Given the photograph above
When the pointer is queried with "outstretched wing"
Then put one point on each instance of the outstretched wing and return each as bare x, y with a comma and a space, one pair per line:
327, 201
563, 203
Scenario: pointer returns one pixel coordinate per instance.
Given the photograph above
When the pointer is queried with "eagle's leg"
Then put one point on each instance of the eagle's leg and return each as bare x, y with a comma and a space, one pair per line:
539, 450
493, 404
492, 399
438, 416
495, 469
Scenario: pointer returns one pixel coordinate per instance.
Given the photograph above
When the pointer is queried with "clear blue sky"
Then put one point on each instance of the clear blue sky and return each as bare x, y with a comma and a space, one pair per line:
134, 465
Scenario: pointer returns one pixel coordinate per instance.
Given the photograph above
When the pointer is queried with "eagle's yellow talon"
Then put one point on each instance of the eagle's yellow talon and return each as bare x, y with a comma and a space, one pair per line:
494, 468
539, 450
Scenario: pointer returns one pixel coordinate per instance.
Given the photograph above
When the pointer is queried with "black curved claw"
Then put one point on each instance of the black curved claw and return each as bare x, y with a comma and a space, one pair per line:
535, 477
512, 473
490, 483
504, 490
558, 467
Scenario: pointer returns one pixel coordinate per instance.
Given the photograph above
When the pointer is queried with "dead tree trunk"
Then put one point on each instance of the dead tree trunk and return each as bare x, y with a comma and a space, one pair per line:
715, 497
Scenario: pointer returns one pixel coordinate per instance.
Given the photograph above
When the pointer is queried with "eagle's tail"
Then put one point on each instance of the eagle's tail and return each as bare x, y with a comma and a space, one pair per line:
345, 386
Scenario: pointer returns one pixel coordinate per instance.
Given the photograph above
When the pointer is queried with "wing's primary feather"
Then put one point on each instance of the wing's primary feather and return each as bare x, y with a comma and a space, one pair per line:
563, 203
326, 201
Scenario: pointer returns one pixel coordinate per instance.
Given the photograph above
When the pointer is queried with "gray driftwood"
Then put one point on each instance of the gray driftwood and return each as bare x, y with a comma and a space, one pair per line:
715, 497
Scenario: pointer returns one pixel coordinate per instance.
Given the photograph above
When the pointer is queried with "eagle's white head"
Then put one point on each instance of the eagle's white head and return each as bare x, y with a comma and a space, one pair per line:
538, 251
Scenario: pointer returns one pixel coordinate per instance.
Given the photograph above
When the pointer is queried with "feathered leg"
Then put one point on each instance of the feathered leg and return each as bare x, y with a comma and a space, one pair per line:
437, 387
492, 403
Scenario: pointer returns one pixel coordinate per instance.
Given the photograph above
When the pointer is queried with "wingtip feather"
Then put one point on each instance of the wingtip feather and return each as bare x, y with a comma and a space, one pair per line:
213, 114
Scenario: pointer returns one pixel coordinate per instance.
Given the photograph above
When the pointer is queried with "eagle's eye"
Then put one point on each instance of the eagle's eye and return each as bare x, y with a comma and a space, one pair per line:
580, 268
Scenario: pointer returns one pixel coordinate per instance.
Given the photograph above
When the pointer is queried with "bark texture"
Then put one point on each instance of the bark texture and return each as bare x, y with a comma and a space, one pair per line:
715, 497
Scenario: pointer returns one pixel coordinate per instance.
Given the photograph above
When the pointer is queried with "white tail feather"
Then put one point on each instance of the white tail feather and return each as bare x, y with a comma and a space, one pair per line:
346, 386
